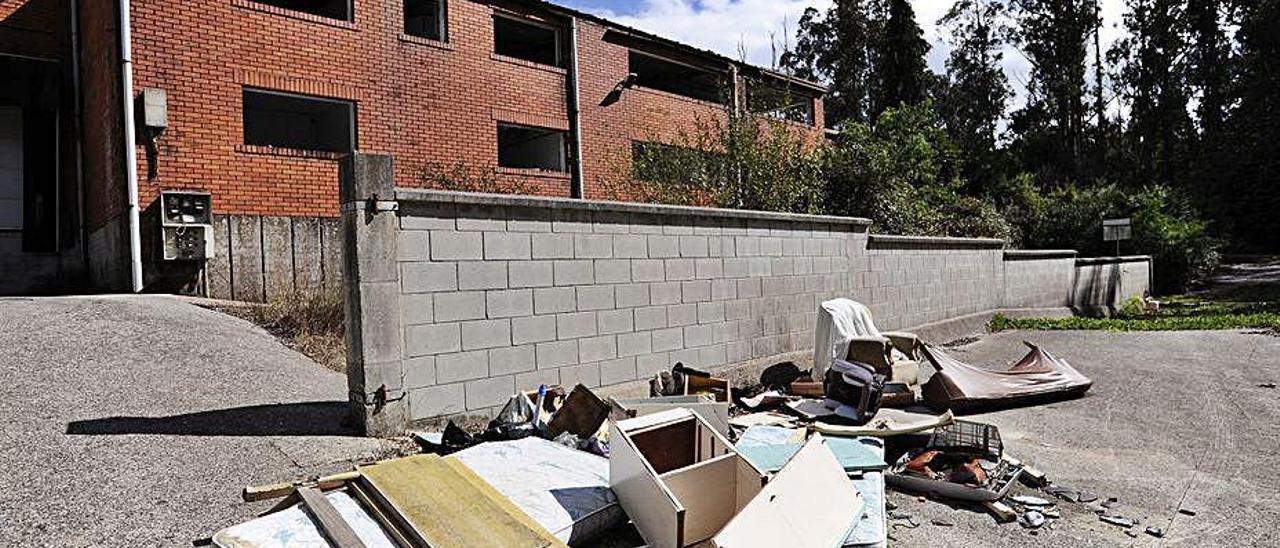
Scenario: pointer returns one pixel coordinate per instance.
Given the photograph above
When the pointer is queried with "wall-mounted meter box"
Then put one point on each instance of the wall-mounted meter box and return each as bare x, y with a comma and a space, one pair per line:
186, 225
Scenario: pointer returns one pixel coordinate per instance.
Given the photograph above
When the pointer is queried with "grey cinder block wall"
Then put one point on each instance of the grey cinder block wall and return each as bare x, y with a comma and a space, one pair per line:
456, 301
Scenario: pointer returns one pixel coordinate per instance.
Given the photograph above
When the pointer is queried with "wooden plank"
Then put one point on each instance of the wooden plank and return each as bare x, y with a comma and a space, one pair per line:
217, 270
336, 529
246, 258
652, 508
380, 514
708, 492
308, 269
277, 257
441, 507
254, 493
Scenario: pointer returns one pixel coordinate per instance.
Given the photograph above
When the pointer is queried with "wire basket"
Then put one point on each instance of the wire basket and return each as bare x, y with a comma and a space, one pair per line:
967, 437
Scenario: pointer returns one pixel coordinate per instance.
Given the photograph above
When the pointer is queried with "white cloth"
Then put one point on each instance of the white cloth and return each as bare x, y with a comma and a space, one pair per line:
839, 322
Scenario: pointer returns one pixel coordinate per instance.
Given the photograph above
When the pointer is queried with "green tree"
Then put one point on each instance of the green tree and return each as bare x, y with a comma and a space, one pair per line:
1053, 35
834, 47
899, 73
977, 89
1153, 76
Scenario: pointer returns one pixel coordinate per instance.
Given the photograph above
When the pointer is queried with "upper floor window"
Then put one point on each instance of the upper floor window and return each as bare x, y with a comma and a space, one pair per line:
333, 9
301, 122
679, 78
426, 19
781, 101
527, 40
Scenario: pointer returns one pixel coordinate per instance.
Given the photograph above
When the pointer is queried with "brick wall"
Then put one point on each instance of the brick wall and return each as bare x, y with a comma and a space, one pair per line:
419, 100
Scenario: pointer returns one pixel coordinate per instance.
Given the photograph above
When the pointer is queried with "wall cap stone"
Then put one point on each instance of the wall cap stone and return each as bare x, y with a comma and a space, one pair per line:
1113, 260
1032, 254
473, 198
884, 241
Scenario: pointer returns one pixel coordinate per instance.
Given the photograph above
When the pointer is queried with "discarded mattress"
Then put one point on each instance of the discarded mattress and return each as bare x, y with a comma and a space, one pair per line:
565, 490
294, 528
960, 386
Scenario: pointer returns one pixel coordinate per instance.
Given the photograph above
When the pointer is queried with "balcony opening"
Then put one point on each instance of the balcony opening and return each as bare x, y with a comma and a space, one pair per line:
333, 9
525, 147
300, 122
527, 40
426, 19
781, 101
679, 78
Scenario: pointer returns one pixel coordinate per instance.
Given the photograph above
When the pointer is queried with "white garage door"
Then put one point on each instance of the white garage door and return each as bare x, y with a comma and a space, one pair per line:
10, 168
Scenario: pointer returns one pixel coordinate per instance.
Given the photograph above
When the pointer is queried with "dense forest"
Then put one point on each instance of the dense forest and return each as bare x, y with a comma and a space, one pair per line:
1176, 125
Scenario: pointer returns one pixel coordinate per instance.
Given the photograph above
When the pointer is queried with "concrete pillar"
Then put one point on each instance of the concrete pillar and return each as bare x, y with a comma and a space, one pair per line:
375, 374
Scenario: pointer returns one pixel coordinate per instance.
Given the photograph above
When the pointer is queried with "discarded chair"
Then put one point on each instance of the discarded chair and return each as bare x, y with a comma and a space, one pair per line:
846, 331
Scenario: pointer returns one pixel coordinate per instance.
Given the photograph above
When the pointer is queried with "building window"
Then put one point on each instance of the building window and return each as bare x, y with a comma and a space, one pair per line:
781, 101
299, 122
678, 78
531, 148
523, 39
426, 19
333, 9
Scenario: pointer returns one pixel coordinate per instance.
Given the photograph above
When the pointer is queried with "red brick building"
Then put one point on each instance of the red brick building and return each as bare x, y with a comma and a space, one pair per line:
253, 101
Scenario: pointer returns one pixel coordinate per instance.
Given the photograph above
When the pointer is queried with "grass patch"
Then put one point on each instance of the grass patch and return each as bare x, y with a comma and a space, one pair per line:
313, 324
1180, 313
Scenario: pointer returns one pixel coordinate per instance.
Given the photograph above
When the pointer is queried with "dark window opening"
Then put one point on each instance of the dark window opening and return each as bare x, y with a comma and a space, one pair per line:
526, 40
680, 79
781, 102
333, 9
298, 122
531, 148
425, 19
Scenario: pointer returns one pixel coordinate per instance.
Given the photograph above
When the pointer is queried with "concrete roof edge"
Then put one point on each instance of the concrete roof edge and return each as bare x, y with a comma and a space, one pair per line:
1114, 260
887, 240
1040, 253
511, 200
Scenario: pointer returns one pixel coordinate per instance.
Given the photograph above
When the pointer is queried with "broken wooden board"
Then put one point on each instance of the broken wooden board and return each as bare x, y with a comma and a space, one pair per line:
332, 524
716, 413
888, 422
810, 503
440, 503
582, 414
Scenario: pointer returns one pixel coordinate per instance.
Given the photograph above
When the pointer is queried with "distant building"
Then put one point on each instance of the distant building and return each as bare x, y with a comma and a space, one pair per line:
254, 102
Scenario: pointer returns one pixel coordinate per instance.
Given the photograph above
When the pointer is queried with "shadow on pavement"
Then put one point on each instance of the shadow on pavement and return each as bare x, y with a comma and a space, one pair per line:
327, 418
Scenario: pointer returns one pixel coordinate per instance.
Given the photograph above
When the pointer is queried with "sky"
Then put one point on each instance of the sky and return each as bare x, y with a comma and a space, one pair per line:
755, 29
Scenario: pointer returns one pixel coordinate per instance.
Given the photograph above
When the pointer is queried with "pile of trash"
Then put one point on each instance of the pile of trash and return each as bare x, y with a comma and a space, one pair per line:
804, 459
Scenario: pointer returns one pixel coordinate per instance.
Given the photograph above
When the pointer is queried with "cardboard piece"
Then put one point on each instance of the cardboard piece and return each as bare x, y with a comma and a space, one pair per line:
719, 389
715, 412
809, 503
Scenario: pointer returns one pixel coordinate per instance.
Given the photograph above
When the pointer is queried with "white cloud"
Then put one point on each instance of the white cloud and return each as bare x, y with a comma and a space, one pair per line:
756, 29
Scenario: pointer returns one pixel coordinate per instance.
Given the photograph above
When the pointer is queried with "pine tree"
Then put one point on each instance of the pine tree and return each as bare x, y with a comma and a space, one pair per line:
899, 71
977, 88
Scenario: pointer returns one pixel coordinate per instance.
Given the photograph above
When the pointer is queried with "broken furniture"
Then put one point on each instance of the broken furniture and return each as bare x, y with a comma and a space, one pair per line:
714, 412
683, 483
888, 422
962, 461
846, 331
1037, 376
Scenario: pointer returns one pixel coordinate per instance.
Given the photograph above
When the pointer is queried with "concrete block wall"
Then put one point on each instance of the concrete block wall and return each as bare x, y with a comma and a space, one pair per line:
503, 293
1038, 278
909, 281
1102, 284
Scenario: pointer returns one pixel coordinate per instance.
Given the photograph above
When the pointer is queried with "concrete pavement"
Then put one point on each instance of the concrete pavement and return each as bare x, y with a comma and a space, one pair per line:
135, 421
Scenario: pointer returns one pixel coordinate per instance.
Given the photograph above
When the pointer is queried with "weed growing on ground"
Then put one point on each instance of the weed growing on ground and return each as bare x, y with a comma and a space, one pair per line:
311, 323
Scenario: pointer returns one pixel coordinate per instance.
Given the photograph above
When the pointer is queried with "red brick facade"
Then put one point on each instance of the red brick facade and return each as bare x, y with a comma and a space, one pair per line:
416, 99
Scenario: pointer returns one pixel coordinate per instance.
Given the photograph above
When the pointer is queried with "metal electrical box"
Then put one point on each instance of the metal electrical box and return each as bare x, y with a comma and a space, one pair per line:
186, 225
